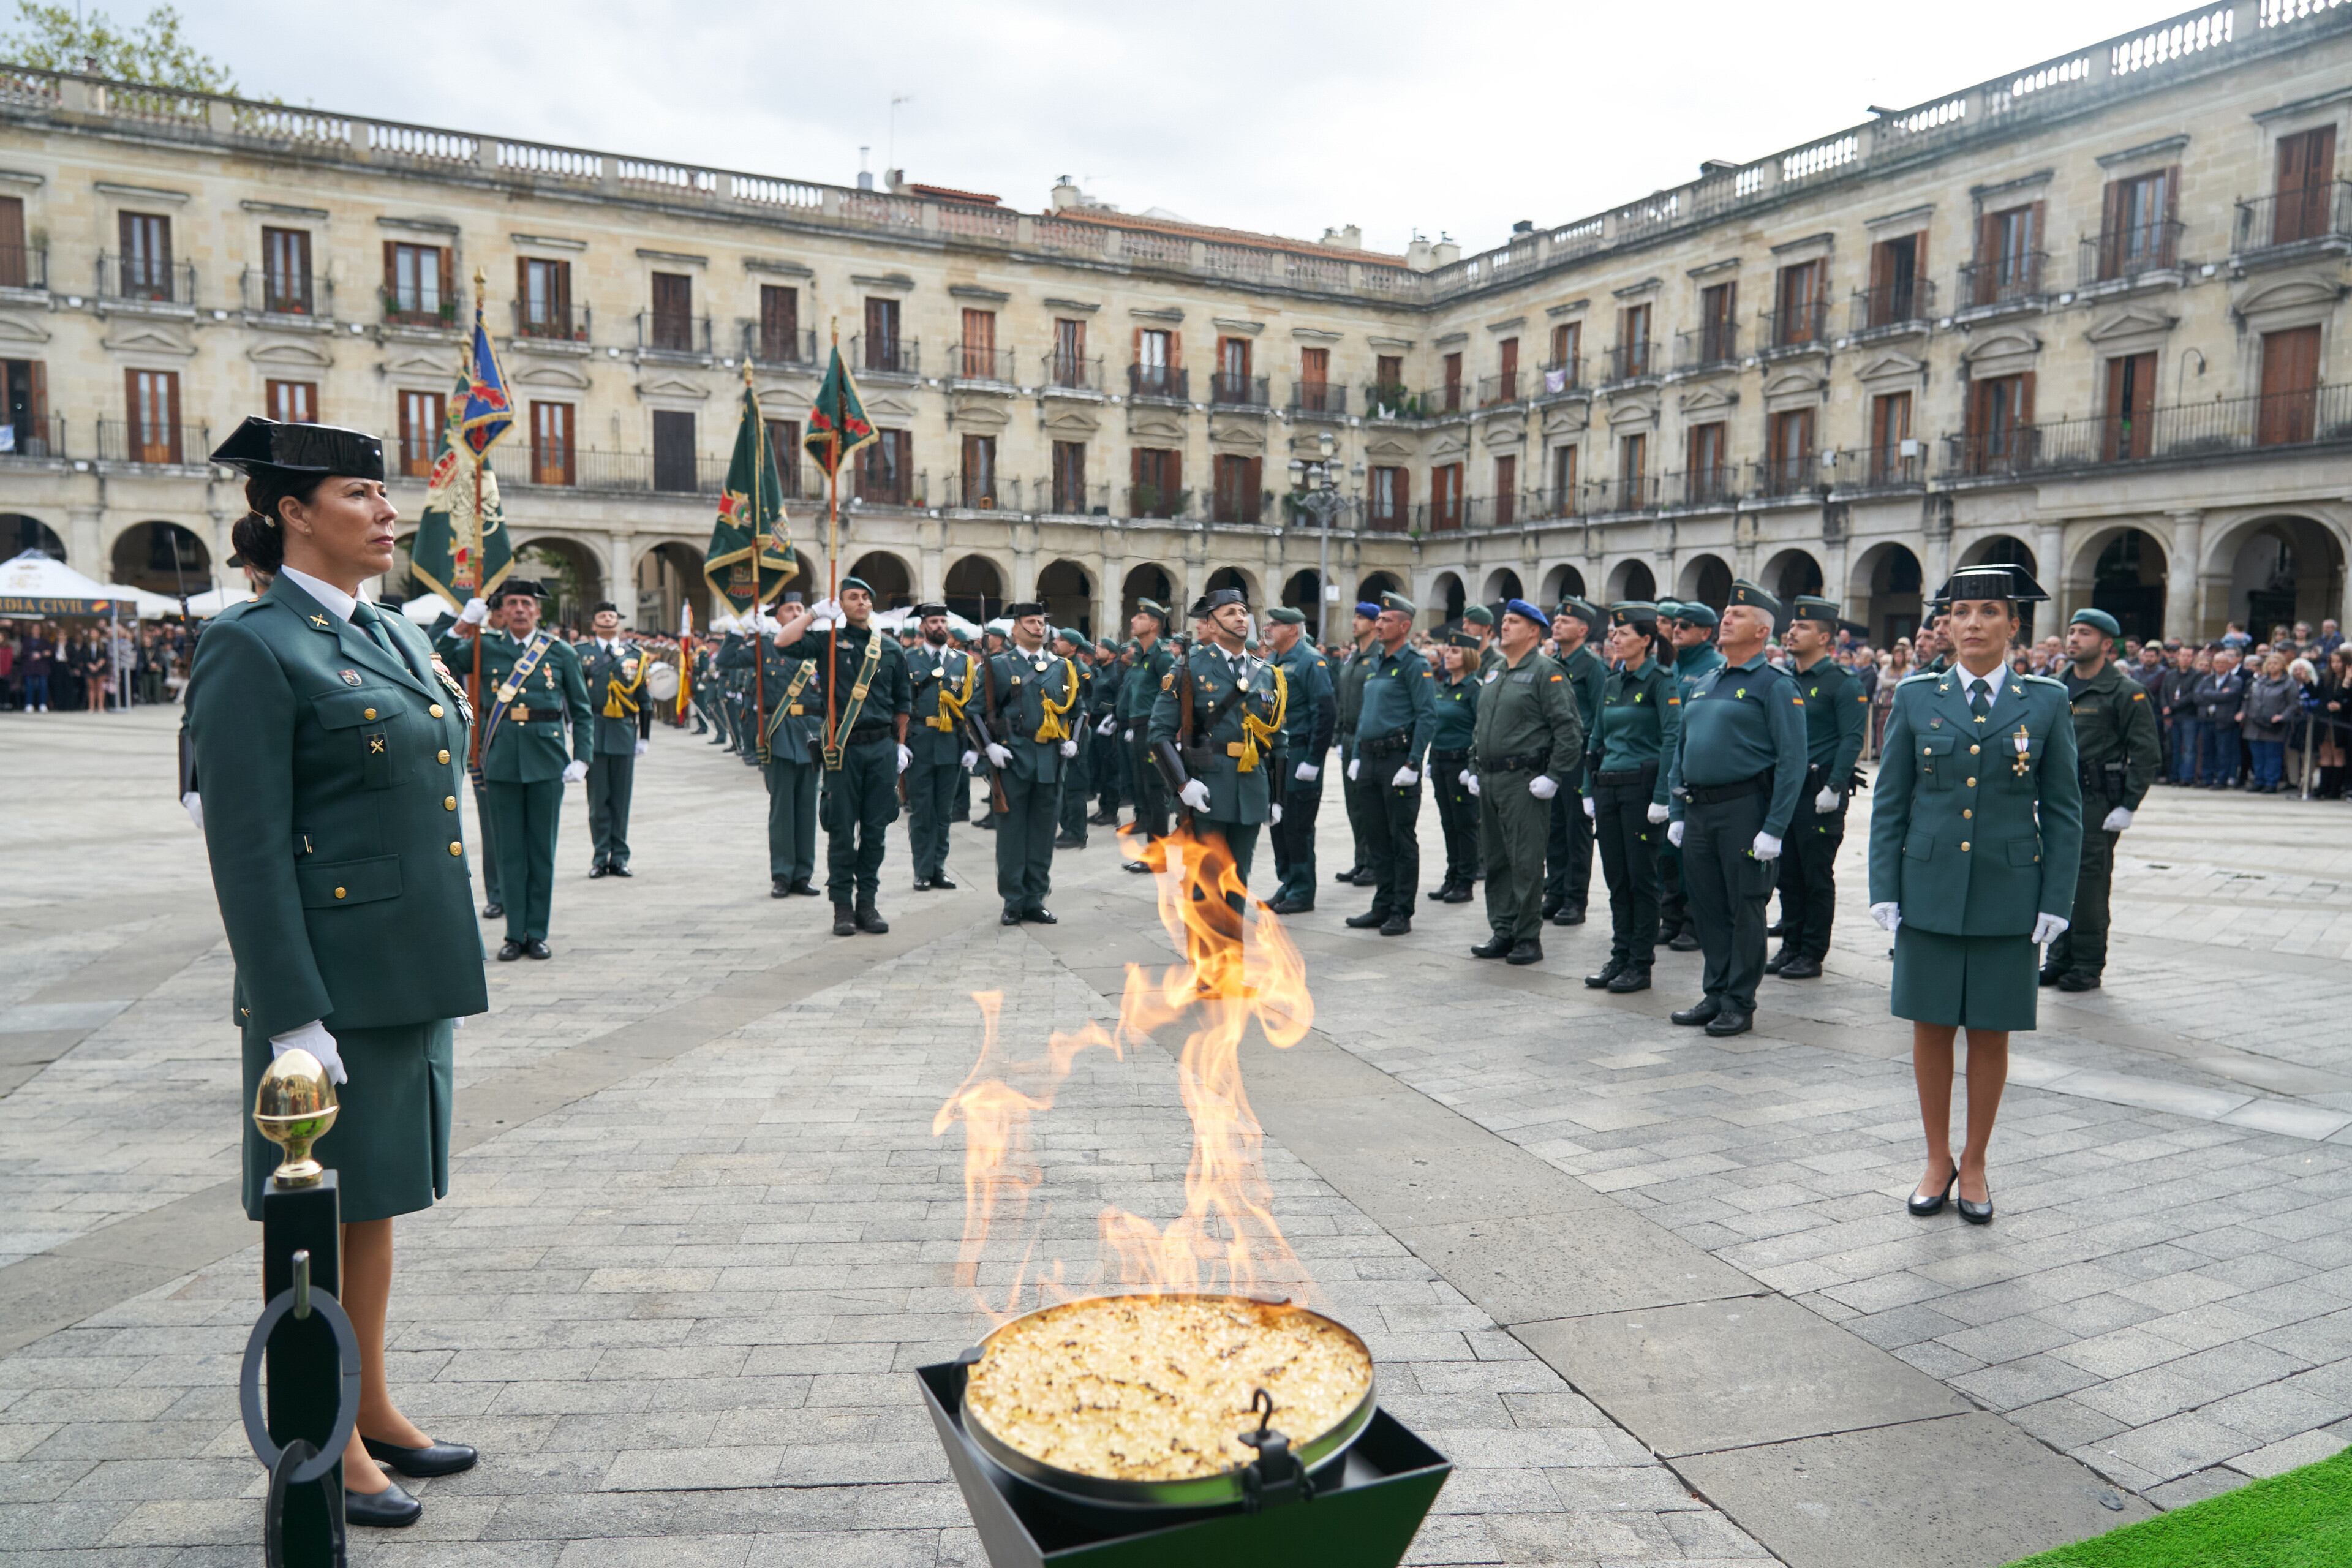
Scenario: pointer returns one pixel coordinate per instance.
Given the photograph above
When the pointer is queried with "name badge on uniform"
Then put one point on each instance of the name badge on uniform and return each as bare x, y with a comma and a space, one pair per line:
350, 677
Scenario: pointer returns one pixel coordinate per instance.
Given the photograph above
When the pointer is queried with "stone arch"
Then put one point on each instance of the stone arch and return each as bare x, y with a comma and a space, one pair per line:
19, 533
668, 575
161, 557
1303, 592
1562, 582
1791, 573
1149, 581
887, 573
1503, 584
1448, 598
974, 588
1374, 584
1706, 580
570, 570
1884, 592
2008, 549
2128, 577
1632, 579
2284, 567
1067, 590
1236, 577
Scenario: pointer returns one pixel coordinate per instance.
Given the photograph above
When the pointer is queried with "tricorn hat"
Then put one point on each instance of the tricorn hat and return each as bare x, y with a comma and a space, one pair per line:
1022, 609
266, 446
1991, 580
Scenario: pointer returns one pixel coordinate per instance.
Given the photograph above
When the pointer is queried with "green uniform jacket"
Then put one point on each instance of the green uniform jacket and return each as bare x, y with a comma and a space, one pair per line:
1490, 659
1954, 834
1837, 716
1147, 667
1527, 709
1399, 692
616, 734
932, 673
795, 724
1586, 672
888, 696
1108, 684
530, 752
1312, 715
1347, 689
1238, 767
1693, 665
1015, 708
1456, 705
1641, 720
332, 772
1739, 720
2116, 746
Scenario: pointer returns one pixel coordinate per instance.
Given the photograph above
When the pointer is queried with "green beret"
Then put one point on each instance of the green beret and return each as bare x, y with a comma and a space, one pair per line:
1743, 592
1073, 637
1477, 616
1399, 603
1582, 609
849, 583
2099, 618
1693, 611
1284, 615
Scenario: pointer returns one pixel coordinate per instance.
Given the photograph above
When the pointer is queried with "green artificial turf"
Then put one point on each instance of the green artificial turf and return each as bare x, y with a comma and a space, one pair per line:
2300, 1520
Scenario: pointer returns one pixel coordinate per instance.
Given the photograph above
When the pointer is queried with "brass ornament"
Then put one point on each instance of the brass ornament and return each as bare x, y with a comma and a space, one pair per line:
293, 1109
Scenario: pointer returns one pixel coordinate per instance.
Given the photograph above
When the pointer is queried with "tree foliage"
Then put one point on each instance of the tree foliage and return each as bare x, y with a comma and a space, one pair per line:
153, 51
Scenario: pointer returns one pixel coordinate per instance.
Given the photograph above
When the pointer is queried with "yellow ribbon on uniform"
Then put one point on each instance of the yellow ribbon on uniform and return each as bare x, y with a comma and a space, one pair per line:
1258, 734
1054, 727
953, 704
620, 700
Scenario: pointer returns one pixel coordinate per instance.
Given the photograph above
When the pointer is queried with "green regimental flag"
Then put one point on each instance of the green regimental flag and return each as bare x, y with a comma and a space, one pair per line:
750, 555
837, 426
438, 557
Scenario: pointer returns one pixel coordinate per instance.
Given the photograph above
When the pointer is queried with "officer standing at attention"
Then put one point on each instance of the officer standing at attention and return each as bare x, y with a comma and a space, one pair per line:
329, 742
1478, 621
1732, 785
615, 674
1107, 752
1150, 660
1223, 771
1639, 726
531, 686
793, 689
859, 797
1837, 717
1567, 848
1030, 705
1347, 687
1976, 835
1310, 718
1070, 811
1692, 628
1396, 716
1450, 777
2120, 753
1529, 747
943, 680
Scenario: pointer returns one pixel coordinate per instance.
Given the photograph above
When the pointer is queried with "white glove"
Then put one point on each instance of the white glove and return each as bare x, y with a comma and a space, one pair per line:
1405, 779
1543, 786
1069, 748
1826, 802
1470, 783
644, 746
1656, 814
1106, 727
1130, 735
1274, 815
1887, 915
1354, 763
1675, 834
1591, 809
194, 803
575, 771
825, 615
312, 1037
1195, 794
1002, 756
1307, 772
2117, 820
475, 614
906, 756
1765, 847
2048, 929
969, 761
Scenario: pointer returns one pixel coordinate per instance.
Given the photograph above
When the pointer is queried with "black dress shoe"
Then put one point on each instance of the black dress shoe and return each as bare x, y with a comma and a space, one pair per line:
1548, 910
1777, 927
493, 909
1133, 866
1009, 917
986, 824
1569, 915
844, 920
779, 887
388, 1510
1729, 1022
1440, 894
1804, 966
432, 1459
1367, 919
536, 948
1462, 894
1608, 972
869, 921
618, 871
1704, 1013
2078, 980
1527, 950
1349, 875
2049, 975
596, 871
1289, 907
1396, 925
1493, 947
1684, 942
922, 884
1778, 961
1040, 916
1922, 1204
1632, 977
1068, 841
1975, 1214
803, 889
509, 951
942, 884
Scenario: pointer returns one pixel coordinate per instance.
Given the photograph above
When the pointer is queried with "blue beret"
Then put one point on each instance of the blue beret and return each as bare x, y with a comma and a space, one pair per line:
1367, 609
1522, 608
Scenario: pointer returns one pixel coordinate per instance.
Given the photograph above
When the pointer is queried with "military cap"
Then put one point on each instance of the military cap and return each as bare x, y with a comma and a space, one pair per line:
601, 606
1369, 610
1812, 607
1633, 612
2099, 619
1527, 612
1692, 613
858, 583
1991, 580
1218, 598
1153, 608
1072, 636
1754, 594
1109, 647
930, 607
1459, 639
1582, 609
267, 447
1022, 609
1477, 616
1399, 603
1670, 609
1286, 615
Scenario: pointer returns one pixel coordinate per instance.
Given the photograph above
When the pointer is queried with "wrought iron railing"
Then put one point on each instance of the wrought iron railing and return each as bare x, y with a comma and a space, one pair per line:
1154, 501
2131, 250
1555, 377
1708, 347
120, 441
664, 332
150, 282
33, 438
766, 345
1702, 487
1905, 301
1159, 381
1074, 373
1630, 361
1503, 387
1318, 399
269, 293
553, 321
874, 355
1242, 391
2301, 216
1393, 400
2316, 414
1803, 326
2013, 278
24, 267
980, 361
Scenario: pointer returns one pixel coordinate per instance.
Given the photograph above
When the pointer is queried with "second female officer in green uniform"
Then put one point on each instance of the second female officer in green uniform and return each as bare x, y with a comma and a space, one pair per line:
1638, 723
331, 744
1449, 765
1976, 837
789, 703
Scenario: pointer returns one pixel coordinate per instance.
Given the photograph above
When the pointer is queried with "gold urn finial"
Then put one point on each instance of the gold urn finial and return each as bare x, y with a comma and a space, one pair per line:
293, 1109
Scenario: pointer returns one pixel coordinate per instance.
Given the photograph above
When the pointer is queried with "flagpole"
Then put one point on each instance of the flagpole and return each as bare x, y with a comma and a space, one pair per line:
832, 567
474, 556
759, 637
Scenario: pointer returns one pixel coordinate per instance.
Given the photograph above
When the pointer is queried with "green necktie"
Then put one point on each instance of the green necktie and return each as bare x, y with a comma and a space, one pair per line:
1980, 698
364, 616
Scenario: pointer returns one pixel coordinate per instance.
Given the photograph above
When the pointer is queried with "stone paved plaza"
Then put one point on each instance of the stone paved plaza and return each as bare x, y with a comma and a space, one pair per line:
1653, 1294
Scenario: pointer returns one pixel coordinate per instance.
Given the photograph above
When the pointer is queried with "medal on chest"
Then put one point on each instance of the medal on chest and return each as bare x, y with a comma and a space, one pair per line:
2020, 740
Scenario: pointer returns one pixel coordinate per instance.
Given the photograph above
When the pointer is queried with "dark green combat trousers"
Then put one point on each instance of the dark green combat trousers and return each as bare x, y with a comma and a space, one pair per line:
1458, 817
1513, 826
1072, 805
1389, 822
930, 812
1728, 889
1568, 855
612, 780
1294, 838
1025, 843
859, 803
1151, 789
1628, 845
792, 819
2082, 947
1809, 881
523, 822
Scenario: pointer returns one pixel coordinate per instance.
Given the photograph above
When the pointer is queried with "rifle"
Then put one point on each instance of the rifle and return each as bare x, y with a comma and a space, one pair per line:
1168, 756
978, 735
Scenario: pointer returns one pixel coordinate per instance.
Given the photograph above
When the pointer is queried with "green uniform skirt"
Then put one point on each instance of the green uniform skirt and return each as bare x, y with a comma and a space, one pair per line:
1968, 982
389, 1144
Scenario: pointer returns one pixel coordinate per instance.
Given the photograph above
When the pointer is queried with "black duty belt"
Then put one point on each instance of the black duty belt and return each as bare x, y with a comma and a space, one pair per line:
523, 715
859, 734
1715, 794
1394, 745
1518, 762
1449, 755
1622, 778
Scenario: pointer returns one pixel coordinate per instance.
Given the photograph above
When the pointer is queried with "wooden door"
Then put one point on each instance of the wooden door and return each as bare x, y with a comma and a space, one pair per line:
784, 452
15, 266
1507, 371
292, 401
551, 449
979, 345
2131, 404
421, 417
146, 256
2290, 387
1507, 491
2306, 174
1890, 427
154, 408
780, 323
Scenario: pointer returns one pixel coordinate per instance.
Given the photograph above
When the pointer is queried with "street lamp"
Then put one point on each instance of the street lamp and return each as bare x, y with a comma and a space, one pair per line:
1315, 491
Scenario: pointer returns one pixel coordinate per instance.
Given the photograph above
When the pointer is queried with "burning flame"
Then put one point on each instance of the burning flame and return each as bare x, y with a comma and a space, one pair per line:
1235, 970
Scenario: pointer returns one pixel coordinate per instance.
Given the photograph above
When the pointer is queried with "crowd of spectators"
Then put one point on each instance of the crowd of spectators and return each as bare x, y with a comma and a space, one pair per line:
93, 666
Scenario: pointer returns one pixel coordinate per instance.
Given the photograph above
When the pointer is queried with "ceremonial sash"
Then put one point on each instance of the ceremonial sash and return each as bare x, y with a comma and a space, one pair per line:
1258, 734
953, 704
789, 703
846, 719
1054, 726
621, 701
533, 652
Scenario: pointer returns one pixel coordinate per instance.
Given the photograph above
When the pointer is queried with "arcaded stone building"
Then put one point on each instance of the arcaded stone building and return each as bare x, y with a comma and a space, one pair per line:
2082, 316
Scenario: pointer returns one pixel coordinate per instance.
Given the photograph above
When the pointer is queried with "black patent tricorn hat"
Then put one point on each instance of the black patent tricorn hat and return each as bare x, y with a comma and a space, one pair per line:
266, 446
1991, 580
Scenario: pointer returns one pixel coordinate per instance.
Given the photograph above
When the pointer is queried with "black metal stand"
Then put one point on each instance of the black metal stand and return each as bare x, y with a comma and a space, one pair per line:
306, 1374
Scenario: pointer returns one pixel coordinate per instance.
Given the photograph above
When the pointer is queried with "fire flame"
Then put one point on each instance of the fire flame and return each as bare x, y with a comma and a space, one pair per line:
1236, 969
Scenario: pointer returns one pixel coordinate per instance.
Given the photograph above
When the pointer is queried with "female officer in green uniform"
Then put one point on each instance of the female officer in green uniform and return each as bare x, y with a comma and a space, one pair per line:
1976, 834
329, 740
1635, 729
1449, 765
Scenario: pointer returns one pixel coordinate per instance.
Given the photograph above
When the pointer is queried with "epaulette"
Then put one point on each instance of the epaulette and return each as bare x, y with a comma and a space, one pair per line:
1923, 675
2043, 680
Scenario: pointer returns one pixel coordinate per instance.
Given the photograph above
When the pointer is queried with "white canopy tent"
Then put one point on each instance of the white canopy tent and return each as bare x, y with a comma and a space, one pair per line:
36, 584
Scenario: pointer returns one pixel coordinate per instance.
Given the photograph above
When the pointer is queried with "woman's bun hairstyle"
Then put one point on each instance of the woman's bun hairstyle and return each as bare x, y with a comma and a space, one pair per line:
259, 536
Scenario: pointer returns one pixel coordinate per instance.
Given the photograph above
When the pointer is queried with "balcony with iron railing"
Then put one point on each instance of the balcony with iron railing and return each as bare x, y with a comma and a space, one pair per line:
1156, 501
1076, 501
1797, 329
1790, 474
1440, 516
1389, 516
1903, 305
1318, 400
980, 492
553, 467
1629, 362
873, 355
897, 488
153, 445
1393, 400
2012, 280
1238, 504
2289, 225
984, 363
1712, 347
25, 267
293, 295
412, 307
1238, 391
550, 323
1898, 465
1558, 378
1551, 502
33, 438
1504, 509
2130, 253
1072, 372
1702, 488
668, 334
1625, 493
763, 343
2187, 432
1162, 382
132, 280
1502, 388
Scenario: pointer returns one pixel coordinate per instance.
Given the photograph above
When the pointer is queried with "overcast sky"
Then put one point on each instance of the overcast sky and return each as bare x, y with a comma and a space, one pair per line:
1393, 114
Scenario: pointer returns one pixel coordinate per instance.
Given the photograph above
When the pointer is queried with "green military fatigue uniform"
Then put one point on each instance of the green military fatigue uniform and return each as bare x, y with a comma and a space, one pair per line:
622, 719
523, 759
1527, 729
1638, 727
1735, 771
1976, 830
1147, 668
1347, 694
1837, 717
1396, 715
859, 794
1032, 704
942, 681
331, 764
793, 689
1692, 665
1452, 731
2118, 751
1568, 849
1311, 717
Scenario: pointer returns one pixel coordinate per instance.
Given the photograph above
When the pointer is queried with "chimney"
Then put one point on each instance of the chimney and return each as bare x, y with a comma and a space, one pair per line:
1524, 225
893, 179
1445, 252
1349, 237
864, 175
1417, 253
1066, 193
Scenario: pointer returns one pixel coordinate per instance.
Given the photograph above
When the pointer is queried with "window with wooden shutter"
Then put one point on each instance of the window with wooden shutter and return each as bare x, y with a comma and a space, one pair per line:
979, 488
1069, 366
1890, 428
1314, 366
1707, 480
779, 325
543, 299
1718, 318
1632, 476
2131, 407
1507, 371
784, 452
24, 409
1450, 381
881, 339
1388, 380
1566, 350
1238, 488
1445, 496
2306, 185
1154, 372
1790, 445
674, 455
1507, 491
1233, 383
1797, 314
1070, 477
885, 476
422, 415
1158, 480
2000, 424
1633, 351
285, 271
1390, 493
16, 260
1896, 266
2135, 228
2009, 255
416, 285
145, 269
673, 313
2290, 387
1563, 481
977, 350
292, 401
154, 416
552, 460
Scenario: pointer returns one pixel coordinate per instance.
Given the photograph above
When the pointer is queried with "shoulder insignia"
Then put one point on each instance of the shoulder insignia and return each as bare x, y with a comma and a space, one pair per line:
1559, 678
2044, 680
1427, 675
1671, 701
1797, 701
2139, 696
